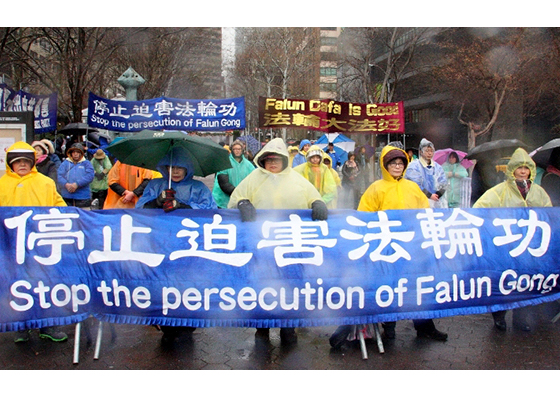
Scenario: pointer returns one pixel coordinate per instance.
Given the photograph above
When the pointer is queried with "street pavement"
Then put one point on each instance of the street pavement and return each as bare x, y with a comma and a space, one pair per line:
473, 344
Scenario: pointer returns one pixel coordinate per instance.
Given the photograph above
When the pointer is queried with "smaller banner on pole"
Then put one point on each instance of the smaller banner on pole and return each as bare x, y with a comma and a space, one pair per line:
44, 108
166, 113
331, 116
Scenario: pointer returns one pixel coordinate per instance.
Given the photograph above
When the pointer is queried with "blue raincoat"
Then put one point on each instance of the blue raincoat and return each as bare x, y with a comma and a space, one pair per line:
188, 191
300, 157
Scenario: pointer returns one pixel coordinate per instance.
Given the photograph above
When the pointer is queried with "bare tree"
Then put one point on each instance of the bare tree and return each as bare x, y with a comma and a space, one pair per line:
481, 71
376, 60
276, 62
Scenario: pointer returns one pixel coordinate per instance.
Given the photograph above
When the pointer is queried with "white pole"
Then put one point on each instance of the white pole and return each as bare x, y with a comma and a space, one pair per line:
77, 343
98, 340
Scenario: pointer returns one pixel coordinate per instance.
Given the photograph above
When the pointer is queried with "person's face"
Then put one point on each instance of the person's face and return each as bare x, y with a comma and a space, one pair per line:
273, 164
39, 151
306, 147
178, 174
522, 173
76, 155
331, 148
352, 157
396, 167
428, 153
315, 160
237, 150
327, 162
452, 159
22, 167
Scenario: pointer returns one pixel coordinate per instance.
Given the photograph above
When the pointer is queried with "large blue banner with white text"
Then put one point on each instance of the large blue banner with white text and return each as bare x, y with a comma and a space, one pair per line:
166, 113
206, 268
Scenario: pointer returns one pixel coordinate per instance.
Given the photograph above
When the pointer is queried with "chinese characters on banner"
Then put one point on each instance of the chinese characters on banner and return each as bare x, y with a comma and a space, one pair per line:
166, 113
44, 107
207, 268
331, 116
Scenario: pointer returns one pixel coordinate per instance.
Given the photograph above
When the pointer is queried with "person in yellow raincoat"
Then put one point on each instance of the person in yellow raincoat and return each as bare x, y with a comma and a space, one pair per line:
275, 185
392, 192
518, 190
319, 175
126, 185
23, 186
327, 160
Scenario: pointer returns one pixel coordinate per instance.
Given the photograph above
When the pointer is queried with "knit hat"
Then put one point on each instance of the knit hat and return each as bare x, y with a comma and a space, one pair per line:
393, 155
19, 154
49, 145
75, 146
42, 145
314, 151
99, 154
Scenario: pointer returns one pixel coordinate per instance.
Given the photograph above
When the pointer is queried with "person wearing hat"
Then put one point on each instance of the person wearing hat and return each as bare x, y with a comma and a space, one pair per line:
429, 175
392, 192
226, 181
518, 190
299, 158
44, 164
52, 154
292, 151
318, 174
99, 186
23, 186
332, 154
275, 185
328, 162
74, 177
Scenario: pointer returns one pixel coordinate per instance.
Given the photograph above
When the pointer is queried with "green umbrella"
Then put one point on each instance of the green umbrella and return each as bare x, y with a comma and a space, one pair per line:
146, 148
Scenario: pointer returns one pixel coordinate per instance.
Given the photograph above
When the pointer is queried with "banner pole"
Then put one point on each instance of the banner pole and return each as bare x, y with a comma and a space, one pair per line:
98, 340
77, 343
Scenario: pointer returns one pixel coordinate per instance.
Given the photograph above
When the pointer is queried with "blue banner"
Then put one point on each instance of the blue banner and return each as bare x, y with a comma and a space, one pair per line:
166, 113
44, 107
206, 268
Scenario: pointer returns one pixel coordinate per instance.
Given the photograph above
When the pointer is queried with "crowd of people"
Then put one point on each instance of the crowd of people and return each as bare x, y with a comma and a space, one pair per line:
278, 177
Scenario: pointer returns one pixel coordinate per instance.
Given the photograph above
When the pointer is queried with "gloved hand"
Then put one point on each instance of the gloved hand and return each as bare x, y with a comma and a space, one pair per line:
247, 210
319, 211
167, 194
99, 175
170, 205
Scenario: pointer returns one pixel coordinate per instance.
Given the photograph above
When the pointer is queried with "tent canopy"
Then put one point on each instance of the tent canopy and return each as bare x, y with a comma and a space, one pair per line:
342, 144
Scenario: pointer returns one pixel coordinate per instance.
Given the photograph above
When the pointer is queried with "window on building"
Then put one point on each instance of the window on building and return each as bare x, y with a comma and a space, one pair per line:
327, 87
327, 71
328, 41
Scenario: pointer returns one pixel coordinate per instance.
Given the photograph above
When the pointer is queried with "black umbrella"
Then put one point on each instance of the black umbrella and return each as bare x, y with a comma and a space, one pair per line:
495, 149
76, 128
547, 154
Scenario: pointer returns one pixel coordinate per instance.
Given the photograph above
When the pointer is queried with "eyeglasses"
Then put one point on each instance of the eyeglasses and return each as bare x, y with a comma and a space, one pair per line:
395, 164
273, 160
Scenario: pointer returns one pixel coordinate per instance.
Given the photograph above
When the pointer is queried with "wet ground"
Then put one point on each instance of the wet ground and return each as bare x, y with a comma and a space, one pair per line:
473, 344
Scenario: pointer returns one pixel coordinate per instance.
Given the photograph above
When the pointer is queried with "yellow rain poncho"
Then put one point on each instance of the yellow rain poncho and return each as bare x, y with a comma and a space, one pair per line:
265, 190
33, 189
320, 177
506, 194
390, 193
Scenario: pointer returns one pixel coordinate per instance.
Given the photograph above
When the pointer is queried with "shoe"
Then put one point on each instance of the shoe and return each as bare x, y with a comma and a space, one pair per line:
522, 326
435, 335
52, 334
288, 335
21, 336
500, 325
338, 338
389, 331
262, 333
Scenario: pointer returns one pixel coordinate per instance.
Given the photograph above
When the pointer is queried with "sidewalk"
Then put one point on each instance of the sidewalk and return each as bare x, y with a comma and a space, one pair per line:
473, 344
